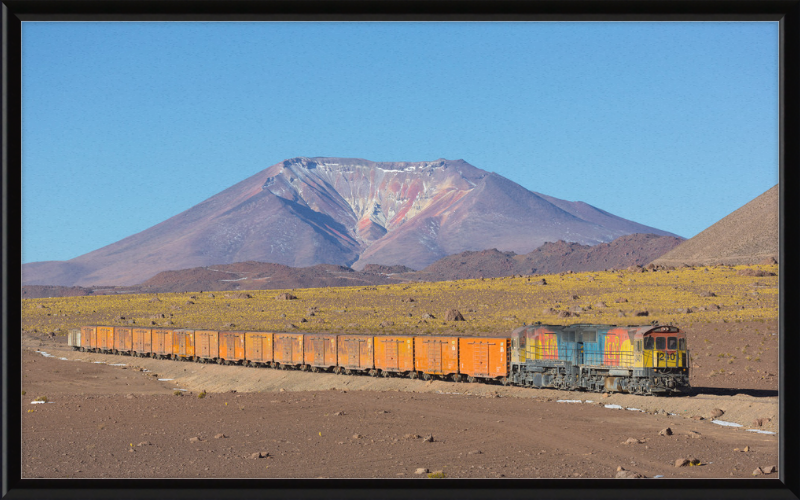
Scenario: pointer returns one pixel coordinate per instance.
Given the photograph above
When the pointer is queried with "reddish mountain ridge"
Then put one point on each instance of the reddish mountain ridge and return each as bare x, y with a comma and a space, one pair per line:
344, 211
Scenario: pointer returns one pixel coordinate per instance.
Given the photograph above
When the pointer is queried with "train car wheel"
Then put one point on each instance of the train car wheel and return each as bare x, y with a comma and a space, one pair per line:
413, 375
470, 379
505, 381
426, 376
456, 377
385, 374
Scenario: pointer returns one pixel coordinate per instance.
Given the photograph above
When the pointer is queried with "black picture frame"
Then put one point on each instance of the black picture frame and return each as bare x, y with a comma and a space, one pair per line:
14, 12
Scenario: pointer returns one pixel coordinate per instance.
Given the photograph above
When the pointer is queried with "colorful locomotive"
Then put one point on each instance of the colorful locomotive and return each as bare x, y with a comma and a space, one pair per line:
600, 358
639, 360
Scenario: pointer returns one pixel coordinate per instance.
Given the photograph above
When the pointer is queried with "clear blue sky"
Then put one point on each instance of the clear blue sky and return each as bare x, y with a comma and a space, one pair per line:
673, 125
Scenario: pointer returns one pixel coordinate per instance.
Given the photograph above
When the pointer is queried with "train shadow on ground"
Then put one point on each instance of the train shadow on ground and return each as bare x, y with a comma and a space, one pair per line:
725, 391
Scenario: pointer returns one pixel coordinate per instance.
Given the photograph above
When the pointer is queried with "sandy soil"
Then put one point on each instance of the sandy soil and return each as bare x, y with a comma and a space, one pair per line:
121, 421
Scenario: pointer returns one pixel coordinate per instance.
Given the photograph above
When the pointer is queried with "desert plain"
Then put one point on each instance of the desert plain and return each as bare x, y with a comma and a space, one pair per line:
86, 415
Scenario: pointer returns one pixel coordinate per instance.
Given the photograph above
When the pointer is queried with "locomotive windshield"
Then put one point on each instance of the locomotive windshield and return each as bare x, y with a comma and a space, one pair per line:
661, 343
672, 343
648, 342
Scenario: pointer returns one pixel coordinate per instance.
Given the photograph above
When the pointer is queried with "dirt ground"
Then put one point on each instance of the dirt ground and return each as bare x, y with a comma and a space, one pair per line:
110, 416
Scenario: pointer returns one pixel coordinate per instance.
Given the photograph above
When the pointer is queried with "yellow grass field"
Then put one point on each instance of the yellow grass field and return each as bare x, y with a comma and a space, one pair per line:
490, 306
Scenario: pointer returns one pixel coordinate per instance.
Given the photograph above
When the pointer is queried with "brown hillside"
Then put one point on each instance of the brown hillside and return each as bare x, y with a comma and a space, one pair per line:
749, 235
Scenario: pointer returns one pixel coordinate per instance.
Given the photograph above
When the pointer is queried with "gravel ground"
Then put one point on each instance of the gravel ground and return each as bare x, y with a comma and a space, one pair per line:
104, 421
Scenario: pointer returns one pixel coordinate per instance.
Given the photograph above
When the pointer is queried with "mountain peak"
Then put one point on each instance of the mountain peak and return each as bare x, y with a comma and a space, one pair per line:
305, 211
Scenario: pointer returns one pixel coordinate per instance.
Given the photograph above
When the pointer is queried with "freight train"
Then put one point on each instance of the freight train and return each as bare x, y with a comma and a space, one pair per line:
643, 360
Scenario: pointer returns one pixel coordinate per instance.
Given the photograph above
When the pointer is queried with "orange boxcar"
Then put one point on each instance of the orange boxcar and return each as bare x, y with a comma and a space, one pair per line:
320, 351
436, 356
123, 341
206, 344
88, 338
355, 353
231, 347
288, 349
394, 354
484, 357
142, 341
105, 338
162, 343
258, 348
183, 344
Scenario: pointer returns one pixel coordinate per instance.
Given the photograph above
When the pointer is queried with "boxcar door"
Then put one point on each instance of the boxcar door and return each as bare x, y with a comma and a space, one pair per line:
481, 358
434, 352
318, 345
258, 343
364, 353
392, 354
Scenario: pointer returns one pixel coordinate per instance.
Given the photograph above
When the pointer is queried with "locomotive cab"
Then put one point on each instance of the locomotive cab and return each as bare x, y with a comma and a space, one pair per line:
661, 353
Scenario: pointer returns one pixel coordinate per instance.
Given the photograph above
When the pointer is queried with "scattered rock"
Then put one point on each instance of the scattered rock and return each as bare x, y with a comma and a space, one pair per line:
708, 294
760, 421
453, 315
549, 310
357, 436
539, 282
194, 439
286, 296
621, 300
144, 443
643, 313
238, 296
697, 417
409, 299
635, 269
770, 469
339, 413
758, 471
421, 470
428, 316
386, 323
628, 474
768, 261
682, 462
746, 449
632, 441
694, 434
220, 436
259, 454
575, 297
303, 320
600, 305
665, 432
566, 314
754, 272
428, 438
716, 413
475, 452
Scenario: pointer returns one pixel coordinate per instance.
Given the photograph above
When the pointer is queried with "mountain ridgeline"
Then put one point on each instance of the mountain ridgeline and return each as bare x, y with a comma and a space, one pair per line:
305, 212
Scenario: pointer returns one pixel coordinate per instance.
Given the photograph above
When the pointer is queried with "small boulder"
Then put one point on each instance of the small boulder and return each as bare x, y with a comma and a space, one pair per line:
286, 296
694, 434
259, 454
770, 469
428, 438
682, 462
453, 315
421, 470
665, 432
220, 436
194, 439
716, 413
632, 441
628, 474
